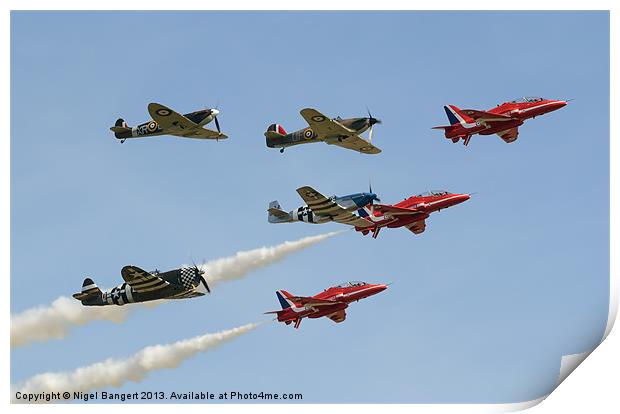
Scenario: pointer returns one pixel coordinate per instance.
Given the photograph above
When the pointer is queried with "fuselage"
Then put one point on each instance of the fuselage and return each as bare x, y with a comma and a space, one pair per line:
424, 204
277, 137
351, 202
151, 128
344, 294
183, 283
518, 110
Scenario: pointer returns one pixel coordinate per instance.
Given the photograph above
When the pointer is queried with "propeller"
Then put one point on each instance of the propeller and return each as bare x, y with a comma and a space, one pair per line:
372, 121
216, 110
199, 272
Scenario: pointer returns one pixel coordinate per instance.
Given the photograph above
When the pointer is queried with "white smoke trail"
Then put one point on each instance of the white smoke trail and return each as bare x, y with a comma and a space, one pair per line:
55, 320
116, 372
237, 266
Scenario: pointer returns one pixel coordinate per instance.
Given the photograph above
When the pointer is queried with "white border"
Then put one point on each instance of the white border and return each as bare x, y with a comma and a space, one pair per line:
590, 390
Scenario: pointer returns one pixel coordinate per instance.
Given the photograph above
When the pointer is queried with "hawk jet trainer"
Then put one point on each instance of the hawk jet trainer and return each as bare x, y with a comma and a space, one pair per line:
143, 286
331, 302
503, 120
320, 209
410, 213
337, 131
165, 121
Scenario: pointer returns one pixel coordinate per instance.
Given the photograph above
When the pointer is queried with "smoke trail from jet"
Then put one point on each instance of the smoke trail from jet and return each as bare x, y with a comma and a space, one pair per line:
114, 372
237, 266
55, 320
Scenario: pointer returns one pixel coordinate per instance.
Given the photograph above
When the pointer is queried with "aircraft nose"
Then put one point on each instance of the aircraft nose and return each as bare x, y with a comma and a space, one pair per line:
215, 112
380, 288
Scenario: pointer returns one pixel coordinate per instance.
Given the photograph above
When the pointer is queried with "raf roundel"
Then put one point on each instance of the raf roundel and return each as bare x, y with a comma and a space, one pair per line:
163, 112
308, 133
318, 118
152, 126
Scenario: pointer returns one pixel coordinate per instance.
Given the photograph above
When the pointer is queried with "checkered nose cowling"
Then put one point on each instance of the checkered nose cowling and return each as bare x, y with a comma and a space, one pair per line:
190, 277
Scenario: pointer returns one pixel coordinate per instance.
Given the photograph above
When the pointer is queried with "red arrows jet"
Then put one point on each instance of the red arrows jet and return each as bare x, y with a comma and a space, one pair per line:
410, 213
503, 120
331, 302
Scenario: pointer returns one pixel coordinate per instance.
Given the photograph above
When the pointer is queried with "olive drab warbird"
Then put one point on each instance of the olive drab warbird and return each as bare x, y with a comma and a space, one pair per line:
143, 286
503, 120
165, 121
344, 133
320, 209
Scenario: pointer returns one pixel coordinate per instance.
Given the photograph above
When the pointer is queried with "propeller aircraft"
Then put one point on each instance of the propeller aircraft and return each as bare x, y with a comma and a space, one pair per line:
332, 302
166, 121
503, 120
143, 286
320, 209
344, 133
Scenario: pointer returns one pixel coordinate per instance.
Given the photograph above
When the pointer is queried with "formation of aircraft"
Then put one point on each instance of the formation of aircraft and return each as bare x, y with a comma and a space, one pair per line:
143, 286
332, 302
344, 133
166, 121
503, 120
320, 209
410, 213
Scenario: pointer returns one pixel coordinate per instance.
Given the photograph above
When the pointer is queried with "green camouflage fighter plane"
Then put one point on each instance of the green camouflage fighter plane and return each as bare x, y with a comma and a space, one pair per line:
168, 122
337, 131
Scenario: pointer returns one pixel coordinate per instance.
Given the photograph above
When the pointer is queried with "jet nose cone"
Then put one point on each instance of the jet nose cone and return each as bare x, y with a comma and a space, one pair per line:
380, 288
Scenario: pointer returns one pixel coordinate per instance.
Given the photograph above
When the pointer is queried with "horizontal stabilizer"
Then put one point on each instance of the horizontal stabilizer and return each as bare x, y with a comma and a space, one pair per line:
276, 214
89, 289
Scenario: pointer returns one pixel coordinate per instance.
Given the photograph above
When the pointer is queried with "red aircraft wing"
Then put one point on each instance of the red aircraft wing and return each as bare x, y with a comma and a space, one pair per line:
304, 300
509, 135
484, 116
395, 211
417, 227
338, 317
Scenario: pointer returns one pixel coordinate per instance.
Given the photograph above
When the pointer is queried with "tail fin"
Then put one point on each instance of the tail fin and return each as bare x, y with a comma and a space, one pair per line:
89, 290
275, 131
456, 116
121, 129
276, 214
283, 297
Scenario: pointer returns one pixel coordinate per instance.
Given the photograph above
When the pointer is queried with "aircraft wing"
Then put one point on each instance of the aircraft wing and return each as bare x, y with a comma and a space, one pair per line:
169, 119
141, 280
334, 133
417, 227
323, 206
202, 133
509, 135
484, 116
339, 316
396, 211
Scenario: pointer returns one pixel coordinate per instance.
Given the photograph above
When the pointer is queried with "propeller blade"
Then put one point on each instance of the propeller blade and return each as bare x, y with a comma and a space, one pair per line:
370, 134
217, 124
204, 282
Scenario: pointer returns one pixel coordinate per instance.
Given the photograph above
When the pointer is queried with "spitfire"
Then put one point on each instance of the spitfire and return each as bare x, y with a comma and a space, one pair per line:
503, 120
332, 302
344, 133
168, 122
410, 213
143, 286
320, 209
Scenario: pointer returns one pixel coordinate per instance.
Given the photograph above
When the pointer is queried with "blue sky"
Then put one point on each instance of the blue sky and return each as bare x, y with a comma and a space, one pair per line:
483, 304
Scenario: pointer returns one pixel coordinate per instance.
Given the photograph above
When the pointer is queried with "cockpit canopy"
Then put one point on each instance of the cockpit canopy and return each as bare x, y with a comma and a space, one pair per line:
433, 193
351, 284
528, 99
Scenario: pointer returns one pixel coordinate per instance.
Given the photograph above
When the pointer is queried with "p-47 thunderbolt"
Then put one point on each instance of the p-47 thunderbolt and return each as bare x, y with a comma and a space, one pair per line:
168, 122
320, 209
143, 286
410, 213
331, 302
503, 120
337, 131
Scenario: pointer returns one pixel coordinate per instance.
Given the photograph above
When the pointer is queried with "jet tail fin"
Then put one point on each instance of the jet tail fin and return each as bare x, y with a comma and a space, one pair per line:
276, 214
89, 290
456, 116
283, 298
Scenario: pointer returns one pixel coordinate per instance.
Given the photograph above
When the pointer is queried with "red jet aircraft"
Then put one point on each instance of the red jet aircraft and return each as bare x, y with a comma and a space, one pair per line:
331, 302
410, 213
503, 120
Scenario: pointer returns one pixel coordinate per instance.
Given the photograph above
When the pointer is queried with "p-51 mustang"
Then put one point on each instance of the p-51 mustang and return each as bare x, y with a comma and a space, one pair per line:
142, 286
503, 120
410, 213
337, 131
168, 122
320, 209
331, 302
